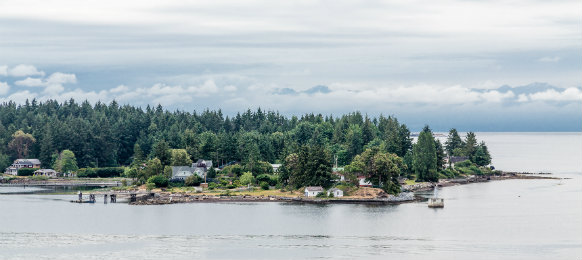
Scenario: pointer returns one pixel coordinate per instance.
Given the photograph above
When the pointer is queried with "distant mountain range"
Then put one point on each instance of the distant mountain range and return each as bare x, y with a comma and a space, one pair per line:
527, 89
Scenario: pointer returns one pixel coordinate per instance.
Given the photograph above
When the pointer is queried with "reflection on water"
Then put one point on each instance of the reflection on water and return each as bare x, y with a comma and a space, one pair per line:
503, 219
228, 247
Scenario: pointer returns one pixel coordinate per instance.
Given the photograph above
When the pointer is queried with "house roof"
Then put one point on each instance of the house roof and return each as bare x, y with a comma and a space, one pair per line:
207, 163
181, 171
314, 188
45, 170
334, 189
27, 161
456, 159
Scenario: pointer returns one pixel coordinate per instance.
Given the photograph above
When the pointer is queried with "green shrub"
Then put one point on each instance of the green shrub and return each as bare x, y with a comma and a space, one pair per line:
261, 167
268, 178
159, 180
175, 184
86, 173
193, 180
233, 170
448, 173
321, 195
150, 186
475, 170
264, 185
211, 173
465, 163
26, 171
263, 178
247, 178
108, 172
223, 182
274, 180
39, 178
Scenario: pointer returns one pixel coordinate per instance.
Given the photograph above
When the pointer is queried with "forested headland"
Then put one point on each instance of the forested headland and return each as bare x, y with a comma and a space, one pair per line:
110, 135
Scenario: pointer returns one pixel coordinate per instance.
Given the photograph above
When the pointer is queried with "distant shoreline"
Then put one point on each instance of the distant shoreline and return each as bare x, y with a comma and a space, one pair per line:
144, 197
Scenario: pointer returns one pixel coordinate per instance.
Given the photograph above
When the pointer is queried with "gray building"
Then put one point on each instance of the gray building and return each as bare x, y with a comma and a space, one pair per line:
199, 168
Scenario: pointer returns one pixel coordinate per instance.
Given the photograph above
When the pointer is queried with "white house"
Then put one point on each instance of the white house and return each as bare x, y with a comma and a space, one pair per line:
199, 168
336, 192
181, 172
276, 167
363, 183
45, 172
339, 171
312, 191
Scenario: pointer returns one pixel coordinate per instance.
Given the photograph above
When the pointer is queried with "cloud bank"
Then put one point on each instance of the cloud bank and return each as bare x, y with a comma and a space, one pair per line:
208, 92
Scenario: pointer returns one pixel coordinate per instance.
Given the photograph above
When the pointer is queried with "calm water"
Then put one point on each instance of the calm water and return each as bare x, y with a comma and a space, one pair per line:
515, 219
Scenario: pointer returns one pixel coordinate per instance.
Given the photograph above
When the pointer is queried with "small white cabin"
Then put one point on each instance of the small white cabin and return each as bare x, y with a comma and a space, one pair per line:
313, 191
46, 172
336, 192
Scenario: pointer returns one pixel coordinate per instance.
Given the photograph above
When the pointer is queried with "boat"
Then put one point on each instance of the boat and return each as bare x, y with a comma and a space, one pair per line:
436, 203
82, 201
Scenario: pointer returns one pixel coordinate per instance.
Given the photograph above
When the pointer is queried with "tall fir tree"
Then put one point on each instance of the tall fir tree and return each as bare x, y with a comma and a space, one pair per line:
424, 159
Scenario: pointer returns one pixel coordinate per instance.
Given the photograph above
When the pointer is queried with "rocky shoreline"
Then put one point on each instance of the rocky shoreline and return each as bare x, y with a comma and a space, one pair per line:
407, 195
167, 198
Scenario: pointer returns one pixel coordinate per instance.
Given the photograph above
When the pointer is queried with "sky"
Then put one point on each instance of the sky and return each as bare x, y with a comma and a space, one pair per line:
473, 65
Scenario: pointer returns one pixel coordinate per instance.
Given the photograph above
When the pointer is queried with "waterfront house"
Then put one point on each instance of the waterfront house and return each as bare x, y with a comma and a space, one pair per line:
11, 170
336, 192
199, 168
454, 159
313, 191
46, 172
362, 182
22, 163
180, 173
276, 167
339, 172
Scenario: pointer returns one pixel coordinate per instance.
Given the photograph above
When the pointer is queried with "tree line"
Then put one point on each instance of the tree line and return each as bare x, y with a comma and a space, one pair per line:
110, 135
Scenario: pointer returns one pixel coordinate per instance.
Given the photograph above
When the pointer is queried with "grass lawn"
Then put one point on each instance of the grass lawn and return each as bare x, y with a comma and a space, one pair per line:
410, 182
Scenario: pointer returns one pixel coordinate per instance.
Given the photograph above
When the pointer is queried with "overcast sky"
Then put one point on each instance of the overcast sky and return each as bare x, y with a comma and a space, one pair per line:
475, 65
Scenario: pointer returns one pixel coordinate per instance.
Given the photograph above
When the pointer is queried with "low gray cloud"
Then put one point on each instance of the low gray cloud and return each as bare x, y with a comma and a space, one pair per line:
21, 70
360, 96
550, 59
310, 91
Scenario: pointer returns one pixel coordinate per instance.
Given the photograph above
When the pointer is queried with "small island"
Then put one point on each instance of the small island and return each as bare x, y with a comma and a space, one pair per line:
254, 156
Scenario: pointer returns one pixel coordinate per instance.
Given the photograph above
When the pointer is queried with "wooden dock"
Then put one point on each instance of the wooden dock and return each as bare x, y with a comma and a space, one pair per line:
111, 196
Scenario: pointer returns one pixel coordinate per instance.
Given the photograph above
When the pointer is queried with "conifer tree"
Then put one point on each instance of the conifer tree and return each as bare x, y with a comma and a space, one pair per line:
424, 159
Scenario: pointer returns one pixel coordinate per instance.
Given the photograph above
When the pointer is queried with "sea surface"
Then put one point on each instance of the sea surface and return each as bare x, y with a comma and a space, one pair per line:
513, 219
